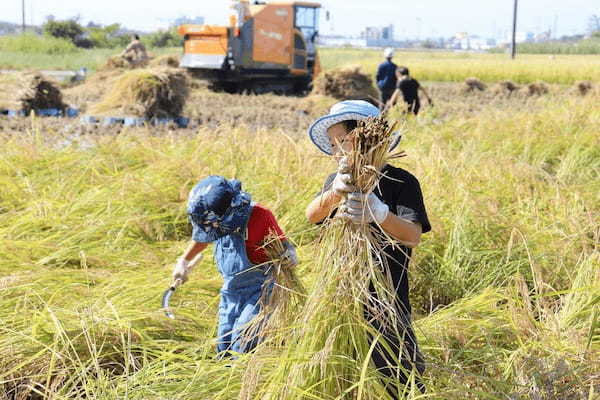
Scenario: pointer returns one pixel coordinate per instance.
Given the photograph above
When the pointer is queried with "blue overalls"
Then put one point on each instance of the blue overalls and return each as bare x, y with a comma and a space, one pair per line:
240, 293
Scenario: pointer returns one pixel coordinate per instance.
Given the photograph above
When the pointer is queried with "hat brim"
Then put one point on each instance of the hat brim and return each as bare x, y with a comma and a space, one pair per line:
318, 130
320, 138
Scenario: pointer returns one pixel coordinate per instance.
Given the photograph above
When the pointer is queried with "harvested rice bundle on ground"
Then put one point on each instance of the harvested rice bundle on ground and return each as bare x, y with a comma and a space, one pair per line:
9, 85
315, 104
116, 62
583, 87
159, 93
505, 88
165, 61
536, 89
329, 355
472, 85
347, 83
38, 93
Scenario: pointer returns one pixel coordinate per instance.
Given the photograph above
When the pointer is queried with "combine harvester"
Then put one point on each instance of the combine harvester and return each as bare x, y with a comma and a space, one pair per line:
266, 48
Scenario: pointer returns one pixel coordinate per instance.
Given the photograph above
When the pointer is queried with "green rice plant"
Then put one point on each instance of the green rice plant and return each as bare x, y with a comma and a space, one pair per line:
30, 43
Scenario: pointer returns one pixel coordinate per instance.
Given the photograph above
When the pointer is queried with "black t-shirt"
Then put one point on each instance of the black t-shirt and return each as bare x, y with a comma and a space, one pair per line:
409, 89
400, 190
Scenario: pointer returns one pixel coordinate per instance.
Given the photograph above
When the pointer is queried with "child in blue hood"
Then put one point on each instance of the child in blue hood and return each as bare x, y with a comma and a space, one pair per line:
221, 212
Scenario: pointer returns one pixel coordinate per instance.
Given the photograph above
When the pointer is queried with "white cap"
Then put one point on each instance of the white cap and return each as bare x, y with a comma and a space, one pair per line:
388, 53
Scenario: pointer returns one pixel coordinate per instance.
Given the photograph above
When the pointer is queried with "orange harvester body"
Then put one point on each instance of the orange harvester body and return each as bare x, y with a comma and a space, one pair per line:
266, 47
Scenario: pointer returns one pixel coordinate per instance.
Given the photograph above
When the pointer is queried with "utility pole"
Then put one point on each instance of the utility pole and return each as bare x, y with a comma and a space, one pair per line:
23, 12
514, 34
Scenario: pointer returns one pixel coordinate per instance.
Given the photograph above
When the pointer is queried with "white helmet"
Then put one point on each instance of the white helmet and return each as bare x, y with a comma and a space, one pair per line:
388, 53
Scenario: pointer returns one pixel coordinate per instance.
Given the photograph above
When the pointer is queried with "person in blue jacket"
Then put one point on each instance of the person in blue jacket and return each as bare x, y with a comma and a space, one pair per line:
386, 77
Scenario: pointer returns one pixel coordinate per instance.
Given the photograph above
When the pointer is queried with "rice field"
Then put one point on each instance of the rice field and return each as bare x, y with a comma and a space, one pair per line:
456, 67
505, 289
427, 66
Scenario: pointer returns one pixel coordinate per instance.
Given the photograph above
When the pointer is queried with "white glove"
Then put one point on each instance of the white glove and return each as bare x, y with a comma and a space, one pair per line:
289, 256
341, 183
361, 208
183, 267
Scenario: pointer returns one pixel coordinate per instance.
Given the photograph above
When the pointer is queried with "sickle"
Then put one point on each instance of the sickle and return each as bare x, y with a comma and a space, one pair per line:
167, 296
178, 282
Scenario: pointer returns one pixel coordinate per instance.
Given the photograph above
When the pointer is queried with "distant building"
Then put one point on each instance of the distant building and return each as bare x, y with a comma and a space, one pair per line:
189, 21
379, 36
465, 41
341, 41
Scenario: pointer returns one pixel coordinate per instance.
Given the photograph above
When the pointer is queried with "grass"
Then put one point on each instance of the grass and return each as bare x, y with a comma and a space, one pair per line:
425, 66
586, 46
31, 43
456, 67
505, 289
80, 58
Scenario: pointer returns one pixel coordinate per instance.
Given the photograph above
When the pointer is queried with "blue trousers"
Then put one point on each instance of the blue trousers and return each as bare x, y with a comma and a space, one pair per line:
236, 310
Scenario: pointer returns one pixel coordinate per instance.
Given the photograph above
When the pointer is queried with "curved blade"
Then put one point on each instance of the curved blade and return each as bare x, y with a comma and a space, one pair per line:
165, 302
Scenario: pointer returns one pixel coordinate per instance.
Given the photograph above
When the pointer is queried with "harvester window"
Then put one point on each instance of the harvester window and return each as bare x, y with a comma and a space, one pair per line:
307, 20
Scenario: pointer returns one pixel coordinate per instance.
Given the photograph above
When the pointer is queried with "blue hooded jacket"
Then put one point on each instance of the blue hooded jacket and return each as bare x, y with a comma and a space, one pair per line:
386, 75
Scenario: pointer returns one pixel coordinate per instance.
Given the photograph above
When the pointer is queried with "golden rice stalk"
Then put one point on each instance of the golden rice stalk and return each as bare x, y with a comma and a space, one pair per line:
283, 295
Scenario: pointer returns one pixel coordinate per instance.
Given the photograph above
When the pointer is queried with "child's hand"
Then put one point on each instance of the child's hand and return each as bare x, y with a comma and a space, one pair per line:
183, 268
361, 208
289, 257
342, 182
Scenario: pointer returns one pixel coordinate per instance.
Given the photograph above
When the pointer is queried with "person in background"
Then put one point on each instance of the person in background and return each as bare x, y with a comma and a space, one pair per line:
221, 212
135, 52
408, 88
386, 77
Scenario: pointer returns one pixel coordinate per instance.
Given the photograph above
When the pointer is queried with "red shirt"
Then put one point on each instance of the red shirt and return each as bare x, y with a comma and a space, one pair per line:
261, 223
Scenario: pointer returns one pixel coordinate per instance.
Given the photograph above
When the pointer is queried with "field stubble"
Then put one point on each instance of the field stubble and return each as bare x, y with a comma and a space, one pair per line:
505, 288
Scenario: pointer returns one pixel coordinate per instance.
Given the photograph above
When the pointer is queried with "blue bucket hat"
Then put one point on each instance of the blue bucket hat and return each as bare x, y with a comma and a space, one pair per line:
343, 111
218, 207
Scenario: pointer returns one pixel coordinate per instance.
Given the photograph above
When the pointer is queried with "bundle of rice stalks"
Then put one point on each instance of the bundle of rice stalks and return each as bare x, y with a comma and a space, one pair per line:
117, 62
583, 87
472, 85
146, 93
345, 84
536, 89
283, 294
505, 88
171, 61
38, 93
282, 298
354, 303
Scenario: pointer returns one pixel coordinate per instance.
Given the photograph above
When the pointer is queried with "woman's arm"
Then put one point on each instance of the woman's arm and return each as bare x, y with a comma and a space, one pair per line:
406, 232
322, 206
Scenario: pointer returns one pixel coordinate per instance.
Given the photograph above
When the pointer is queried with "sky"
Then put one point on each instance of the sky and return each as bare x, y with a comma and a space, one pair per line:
412, 19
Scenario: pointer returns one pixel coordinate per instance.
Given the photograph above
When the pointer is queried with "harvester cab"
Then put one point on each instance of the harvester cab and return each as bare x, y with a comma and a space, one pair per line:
267, 47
